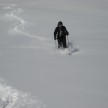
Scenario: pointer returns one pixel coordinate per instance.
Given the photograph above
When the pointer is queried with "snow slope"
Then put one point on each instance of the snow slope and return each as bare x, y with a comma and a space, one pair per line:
30, 61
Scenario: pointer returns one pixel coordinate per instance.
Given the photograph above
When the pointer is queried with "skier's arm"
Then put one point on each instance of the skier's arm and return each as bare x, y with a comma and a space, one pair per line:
67, 33
55, 34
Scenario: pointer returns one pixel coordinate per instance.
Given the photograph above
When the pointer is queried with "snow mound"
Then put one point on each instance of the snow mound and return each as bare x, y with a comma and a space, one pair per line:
72, 48
13, 98
65, 51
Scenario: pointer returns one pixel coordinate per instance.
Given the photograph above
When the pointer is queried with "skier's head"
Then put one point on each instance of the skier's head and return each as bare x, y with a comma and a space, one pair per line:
60, 24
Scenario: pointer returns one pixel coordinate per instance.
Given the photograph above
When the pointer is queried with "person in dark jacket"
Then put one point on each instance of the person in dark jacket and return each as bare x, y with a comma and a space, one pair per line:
60, 34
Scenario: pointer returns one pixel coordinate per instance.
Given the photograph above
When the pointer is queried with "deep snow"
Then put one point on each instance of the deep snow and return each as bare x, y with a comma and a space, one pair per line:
30, 61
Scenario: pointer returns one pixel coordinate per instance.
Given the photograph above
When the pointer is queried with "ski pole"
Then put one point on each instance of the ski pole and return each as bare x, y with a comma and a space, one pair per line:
55, 44
68, 41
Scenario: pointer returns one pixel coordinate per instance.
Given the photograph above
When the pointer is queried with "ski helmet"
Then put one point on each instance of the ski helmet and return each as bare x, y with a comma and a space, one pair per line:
60, 23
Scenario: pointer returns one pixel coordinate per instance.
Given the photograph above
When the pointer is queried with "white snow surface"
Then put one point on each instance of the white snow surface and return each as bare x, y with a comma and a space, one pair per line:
13, 98
30, 60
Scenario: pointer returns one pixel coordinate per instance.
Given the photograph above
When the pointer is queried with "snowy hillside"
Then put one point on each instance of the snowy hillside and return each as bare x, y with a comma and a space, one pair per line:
30, 60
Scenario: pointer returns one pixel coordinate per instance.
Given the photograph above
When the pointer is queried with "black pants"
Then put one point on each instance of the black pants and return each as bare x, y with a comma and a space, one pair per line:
62, 42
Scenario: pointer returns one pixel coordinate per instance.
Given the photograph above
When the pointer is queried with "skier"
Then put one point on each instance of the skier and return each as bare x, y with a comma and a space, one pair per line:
60, 34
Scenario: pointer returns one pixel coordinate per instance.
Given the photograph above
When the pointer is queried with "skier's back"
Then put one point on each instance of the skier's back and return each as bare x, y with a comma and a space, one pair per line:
60, 34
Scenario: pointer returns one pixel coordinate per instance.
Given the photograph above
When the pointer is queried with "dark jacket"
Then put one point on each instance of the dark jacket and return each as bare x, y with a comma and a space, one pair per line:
60, 32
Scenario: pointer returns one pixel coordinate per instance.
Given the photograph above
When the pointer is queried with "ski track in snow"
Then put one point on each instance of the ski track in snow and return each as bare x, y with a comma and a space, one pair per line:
13, 98
19, 27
